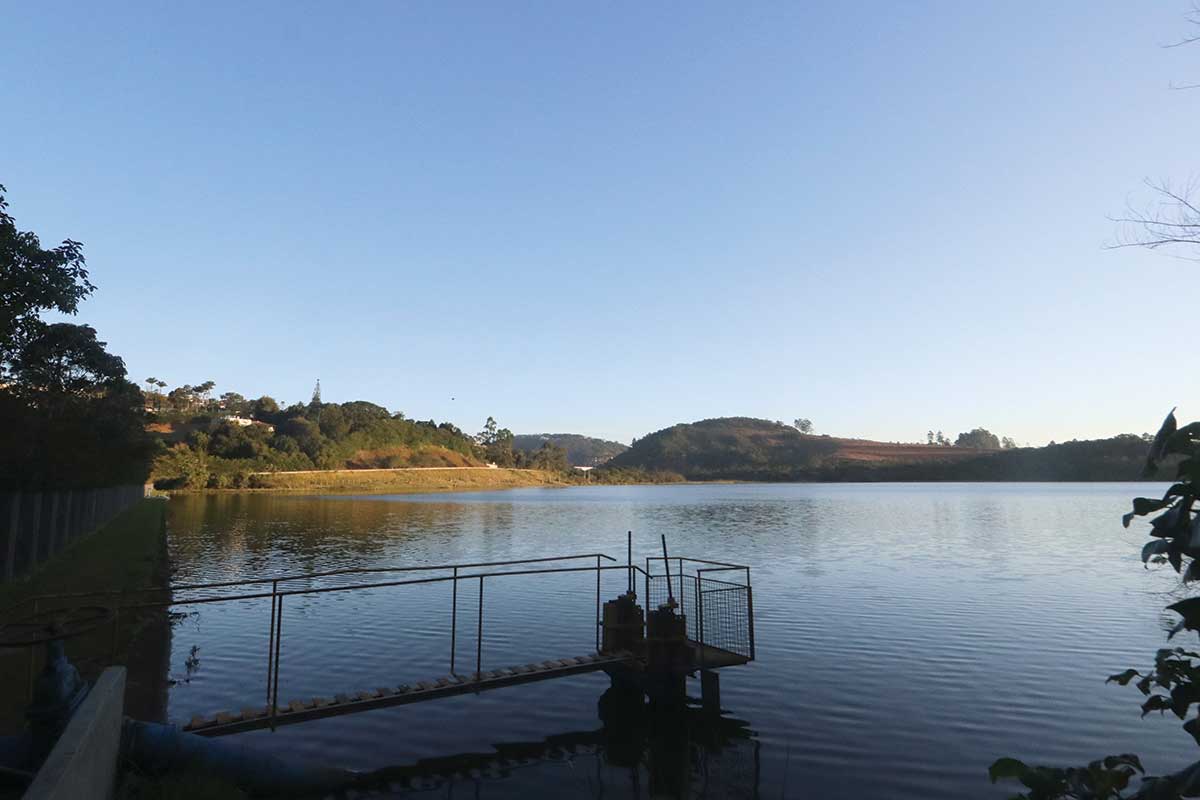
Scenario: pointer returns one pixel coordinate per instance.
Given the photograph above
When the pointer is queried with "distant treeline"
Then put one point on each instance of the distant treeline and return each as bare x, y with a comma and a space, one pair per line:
741, 448
1119, 458
582, 451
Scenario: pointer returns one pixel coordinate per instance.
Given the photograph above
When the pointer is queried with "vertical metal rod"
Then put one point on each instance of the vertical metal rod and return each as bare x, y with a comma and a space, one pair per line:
700, 620
629, 545
275, 681
750, 613
597, 604
453, 619
271, 640
479, 635
667, 569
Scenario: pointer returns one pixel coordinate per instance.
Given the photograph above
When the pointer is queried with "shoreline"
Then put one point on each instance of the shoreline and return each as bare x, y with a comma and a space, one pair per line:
401, 480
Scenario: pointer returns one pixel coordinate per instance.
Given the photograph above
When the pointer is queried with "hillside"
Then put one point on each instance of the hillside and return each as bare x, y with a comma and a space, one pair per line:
742, 448
582, 451
207, 449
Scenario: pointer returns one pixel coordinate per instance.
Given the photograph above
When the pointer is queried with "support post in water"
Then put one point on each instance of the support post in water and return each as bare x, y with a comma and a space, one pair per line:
453, 618
598, 620
667, 569
271, 639
629, 561
479, 636
275, 680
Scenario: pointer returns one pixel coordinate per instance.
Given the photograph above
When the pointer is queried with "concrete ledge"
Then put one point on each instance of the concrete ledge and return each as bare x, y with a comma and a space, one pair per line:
83, 764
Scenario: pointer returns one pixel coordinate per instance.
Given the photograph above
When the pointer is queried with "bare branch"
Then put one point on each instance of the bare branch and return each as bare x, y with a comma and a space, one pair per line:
1171, 220
1193, 17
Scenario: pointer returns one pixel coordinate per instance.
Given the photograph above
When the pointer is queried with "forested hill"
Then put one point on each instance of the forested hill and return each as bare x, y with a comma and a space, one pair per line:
582, 451
741, 448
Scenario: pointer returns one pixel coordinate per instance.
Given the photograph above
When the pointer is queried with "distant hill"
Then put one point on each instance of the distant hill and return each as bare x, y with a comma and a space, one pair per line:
582, 451
742, 448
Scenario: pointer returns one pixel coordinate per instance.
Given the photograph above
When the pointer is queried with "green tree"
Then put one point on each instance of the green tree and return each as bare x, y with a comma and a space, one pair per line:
979, 439
265, 408
202, 391
487, 436
34, 279
66, 359
804, 425
333, 422
234, 403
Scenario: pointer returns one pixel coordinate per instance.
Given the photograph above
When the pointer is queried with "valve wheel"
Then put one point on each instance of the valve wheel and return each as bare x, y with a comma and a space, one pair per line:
53, 624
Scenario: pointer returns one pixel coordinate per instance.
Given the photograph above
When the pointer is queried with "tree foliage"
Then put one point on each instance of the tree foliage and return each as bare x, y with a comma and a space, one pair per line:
582, 451
34, 279
741, 448
979, 439
69, 416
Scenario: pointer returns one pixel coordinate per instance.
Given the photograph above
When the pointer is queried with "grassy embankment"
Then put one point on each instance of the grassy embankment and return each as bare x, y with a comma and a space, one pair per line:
128, 553
405, 481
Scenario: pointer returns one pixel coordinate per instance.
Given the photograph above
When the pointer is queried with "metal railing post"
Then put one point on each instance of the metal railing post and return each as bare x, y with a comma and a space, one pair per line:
597, 604
700, 620
453, 619
271, 639
479, 636
750, 616
629, 545
275, 682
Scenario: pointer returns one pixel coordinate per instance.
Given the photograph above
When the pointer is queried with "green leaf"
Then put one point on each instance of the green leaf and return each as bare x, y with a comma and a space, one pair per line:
1173, 522
1147, 505
1192, 726
1175, 556
1123, 678
1189, 609
1156, 702
1157, 446
1154, 547
1007, 768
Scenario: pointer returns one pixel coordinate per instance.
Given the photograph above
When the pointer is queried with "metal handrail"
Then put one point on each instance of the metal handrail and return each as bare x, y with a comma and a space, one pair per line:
302, 576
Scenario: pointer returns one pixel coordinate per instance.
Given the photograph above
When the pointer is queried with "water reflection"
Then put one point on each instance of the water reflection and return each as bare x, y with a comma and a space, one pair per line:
637, 752
907, 634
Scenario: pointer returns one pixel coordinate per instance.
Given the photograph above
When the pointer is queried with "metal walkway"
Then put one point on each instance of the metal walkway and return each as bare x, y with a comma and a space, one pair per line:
250, 719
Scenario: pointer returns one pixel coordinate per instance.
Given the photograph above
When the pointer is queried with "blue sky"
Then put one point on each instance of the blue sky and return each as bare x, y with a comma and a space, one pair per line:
608, 218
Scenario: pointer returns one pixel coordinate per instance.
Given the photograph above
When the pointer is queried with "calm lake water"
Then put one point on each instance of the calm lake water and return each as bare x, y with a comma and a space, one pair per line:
907, 635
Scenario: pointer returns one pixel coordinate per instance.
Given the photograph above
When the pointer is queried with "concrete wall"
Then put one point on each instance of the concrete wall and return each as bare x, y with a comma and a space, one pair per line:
83, 765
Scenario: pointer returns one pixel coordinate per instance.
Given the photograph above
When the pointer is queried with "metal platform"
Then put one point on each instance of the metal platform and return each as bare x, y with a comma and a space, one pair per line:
719, 616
